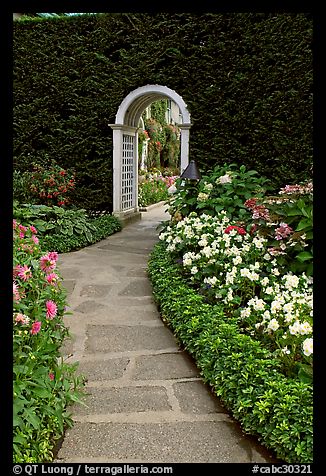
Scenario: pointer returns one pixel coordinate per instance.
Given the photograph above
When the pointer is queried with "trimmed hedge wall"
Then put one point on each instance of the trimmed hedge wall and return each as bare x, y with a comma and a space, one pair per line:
246, 78
276, 409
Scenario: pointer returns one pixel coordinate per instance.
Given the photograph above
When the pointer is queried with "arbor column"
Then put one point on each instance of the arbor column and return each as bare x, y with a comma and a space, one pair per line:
118, 131
185, 131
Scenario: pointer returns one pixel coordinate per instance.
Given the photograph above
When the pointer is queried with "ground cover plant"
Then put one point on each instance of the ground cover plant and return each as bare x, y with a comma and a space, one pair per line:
241, 288
44, 385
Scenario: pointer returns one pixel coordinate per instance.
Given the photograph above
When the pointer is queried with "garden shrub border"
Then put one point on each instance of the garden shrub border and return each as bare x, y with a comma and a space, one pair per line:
106, 226
275, 409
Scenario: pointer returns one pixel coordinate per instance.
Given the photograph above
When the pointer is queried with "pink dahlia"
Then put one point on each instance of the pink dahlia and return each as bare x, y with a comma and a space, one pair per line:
51, 309
52, 278
36, 327
24, 272
35, 239
47, 263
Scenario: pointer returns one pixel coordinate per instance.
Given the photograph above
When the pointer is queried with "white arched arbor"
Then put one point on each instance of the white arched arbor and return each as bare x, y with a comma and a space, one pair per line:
125, 143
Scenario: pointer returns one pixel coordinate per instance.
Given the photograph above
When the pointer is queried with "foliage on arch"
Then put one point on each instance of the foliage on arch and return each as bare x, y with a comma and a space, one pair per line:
246, 79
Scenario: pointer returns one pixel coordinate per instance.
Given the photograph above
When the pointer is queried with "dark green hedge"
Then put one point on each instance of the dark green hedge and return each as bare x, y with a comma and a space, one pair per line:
246, 78
276, 409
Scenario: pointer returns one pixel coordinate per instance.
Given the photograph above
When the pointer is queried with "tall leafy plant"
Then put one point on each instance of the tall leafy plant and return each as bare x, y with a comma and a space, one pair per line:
225, 188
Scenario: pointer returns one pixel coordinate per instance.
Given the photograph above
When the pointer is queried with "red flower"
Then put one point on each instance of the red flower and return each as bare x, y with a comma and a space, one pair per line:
253, 229
239, 229
251, 203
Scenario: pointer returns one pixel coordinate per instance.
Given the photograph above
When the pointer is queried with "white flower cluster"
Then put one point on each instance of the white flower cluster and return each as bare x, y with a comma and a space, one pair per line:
202, 241
230, 264
286, 307
224, 179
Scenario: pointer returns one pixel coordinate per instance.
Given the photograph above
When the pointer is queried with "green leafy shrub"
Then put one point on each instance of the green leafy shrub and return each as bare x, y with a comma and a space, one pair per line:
157, 141
21, 187
55, 220
286, 220
63, 229
104, 226
43, 384
225, 188
276, 409
171, 150
52, 184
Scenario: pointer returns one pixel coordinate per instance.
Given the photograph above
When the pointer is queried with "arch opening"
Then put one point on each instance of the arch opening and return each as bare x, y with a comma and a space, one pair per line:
125, 143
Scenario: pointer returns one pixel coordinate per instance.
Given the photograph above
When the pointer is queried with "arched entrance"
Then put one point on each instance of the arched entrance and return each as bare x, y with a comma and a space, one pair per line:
125, 143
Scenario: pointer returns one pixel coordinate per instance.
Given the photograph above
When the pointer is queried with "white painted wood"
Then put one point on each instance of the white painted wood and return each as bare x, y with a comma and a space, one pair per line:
126, 123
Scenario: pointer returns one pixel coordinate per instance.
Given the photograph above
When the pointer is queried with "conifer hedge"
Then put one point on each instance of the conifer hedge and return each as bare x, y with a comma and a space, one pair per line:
245, 77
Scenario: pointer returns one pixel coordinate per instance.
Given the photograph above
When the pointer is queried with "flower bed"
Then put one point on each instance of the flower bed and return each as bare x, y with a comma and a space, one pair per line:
233, 267
154, 189
233, 278
247, 376
43, 385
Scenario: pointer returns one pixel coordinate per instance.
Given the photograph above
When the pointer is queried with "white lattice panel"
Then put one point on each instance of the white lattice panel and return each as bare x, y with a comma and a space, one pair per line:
127, 172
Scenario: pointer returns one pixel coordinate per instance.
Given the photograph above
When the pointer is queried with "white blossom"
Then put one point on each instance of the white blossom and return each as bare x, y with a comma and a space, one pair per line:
273, 325
307, 346
224, 179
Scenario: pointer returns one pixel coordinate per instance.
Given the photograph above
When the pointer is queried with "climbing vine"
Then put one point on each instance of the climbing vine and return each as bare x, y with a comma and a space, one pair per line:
164, 144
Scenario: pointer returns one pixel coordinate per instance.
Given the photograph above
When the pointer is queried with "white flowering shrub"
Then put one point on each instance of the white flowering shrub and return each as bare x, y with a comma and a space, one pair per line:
229, 265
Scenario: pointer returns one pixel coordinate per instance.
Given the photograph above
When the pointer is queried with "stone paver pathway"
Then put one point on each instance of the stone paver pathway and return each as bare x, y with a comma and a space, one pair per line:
146, 402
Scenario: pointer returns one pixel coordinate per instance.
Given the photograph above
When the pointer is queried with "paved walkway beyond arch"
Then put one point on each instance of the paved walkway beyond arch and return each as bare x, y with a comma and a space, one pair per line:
146, 402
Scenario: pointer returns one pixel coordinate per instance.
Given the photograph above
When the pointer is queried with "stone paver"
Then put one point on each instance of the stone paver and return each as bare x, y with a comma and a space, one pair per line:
182, 442
166, 366
146, 401
121, 338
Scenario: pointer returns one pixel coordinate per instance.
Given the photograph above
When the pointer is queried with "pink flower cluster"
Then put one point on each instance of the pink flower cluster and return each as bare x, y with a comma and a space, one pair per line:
283, 231
259, 212
20, 232
297, 189
48, 262
169, 180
